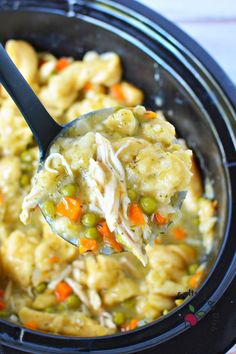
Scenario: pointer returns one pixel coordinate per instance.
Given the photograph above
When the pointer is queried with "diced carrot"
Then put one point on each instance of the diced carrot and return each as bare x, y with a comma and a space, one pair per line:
103, 228
70, 207
160, 219
1, 293
62, 64
62, 291
82, 249
108, 236
195, 280
116, 92
88, 245
179, 233
31, 325
150, 115
131, 325
53, 259
111, 241
2, 305
136, 214
1, 198
88, 86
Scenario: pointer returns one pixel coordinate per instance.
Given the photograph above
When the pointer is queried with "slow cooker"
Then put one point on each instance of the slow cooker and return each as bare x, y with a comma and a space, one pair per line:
180, 78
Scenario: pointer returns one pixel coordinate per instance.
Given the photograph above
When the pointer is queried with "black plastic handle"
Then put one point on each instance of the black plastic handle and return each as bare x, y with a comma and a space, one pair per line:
42, 125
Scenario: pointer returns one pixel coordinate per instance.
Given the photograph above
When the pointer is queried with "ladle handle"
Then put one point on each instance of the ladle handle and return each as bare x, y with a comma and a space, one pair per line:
42, 125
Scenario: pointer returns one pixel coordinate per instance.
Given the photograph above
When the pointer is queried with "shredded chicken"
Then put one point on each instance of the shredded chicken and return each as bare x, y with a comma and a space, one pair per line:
64, 163
78, 290
107, 181
65, 273
30, 202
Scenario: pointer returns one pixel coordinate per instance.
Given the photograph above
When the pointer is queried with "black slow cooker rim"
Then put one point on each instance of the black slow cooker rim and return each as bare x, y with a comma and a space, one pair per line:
194, 47
216, 72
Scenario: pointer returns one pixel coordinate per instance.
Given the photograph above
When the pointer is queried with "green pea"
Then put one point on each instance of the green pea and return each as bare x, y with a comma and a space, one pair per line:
41, 287
148, 205
49, 208
24, 180
60, 308
27, 156
93, 233
73, 228
196, 221
69, 190
27, 167
89, 219
50, 310
132, 194
130, 304
118, 318
4, 314
192, 268
73, 302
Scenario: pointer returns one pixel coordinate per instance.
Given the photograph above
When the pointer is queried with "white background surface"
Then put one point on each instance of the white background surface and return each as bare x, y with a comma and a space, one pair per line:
212, 23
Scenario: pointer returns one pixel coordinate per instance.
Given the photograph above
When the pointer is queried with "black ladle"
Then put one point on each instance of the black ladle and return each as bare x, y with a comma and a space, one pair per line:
42, 125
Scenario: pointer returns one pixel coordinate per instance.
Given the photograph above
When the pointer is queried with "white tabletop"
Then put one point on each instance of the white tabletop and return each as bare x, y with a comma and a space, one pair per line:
212, 23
